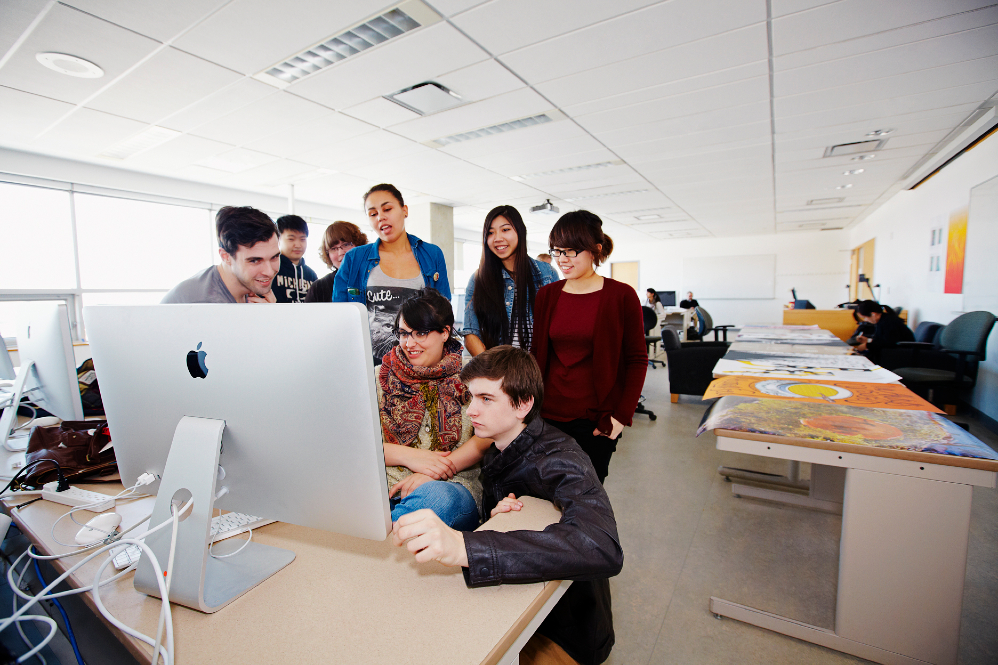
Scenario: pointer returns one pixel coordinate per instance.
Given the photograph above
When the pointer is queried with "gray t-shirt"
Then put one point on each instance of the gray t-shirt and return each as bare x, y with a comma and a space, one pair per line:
384, 299
205, 286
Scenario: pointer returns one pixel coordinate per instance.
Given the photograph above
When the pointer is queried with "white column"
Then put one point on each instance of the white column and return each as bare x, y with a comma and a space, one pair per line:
434, 223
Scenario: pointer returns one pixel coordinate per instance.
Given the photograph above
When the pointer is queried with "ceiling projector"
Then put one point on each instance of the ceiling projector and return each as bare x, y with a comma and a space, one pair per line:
546, 208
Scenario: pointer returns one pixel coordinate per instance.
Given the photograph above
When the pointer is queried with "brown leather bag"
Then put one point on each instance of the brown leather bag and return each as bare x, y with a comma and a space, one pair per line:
76, 445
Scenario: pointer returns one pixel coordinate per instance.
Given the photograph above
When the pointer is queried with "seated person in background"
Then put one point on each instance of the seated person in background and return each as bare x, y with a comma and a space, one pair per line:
294, 278
690, 301
430, 446
888, 329
863, 329
529, 457
339, 238
247, 243
655, 303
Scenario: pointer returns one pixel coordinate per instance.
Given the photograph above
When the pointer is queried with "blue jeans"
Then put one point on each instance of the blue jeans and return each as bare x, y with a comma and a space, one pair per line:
452, 503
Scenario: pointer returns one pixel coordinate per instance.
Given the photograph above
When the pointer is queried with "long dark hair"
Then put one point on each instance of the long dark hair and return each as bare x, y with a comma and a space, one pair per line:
489, 301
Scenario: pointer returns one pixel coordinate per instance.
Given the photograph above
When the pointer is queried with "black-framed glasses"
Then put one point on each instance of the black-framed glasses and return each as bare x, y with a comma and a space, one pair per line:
570, 253
419, 335
345, 246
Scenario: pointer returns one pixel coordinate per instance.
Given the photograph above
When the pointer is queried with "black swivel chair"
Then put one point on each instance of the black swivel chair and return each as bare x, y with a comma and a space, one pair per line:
691, 364
964, 341
705, 325
651, 341
927, 332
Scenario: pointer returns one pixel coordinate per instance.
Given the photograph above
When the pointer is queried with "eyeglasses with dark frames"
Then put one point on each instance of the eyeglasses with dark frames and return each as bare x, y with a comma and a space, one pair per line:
419, 335
570, 253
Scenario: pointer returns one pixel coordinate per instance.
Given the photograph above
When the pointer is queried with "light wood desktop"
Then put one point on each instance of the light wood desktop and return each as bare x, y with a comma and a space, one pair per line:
837, 321
903, 550
343, 599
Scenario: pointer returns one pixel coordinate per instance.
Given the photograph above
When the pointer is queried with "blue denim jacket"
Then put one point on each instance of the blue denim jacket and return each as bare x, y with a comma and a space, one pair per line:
350, 283
544, 274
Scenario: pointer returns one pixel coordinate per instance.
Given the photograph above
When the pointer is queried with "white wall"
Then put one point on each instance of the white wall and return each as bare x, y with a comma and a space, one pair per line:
902, 227
815, 262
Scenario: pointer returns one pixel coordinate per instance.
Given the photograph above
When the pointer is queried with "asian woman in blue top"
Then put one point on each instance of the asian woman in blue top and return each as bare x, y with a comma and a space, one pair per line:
395, 267
499, 302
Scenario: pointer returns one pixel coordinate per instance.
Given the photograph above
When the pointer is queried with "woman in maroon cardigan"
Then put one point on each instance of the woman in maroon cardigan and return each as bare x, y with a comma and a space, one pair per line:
589, 341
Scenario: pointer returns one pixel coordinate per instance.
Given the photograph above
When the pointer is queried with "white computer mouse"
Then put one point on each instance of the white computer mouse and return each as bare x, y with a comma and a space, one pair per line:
98, 528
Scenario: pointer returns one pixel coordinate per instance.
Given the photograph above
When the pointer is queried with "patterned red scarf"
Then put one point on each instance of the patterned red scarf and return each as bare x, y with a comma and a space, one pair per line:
408, 392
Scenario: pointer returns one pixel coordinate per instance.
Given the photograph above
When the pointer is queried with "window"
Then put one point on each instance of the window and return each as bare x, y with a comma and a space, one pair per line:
37, 248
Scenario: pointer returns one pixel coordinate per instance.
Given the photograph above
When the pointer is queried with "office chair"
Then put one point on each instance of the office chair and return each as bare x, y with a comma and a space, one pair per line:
691, 364
651, 341
964, 340
927, 347
705, 325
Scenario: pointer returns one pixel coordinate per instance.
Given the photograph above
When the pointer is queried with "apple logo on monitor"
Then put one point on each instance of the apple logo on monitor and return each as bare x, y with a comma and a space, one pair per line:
195, 363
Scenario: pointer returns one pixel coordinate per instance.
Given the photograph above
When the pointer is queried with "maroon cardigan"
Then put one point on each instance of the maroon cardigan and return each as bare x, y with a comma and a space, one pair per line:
620, 359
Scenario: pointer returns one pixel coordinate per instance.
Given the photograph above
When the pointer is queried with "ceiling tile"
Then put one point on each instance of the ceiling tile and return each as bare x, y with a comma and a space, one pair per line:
784, 7
535, 139
23, 115
513, 105
381, 112
851, 19
454, 7
167, 82
17, 16
481, 80
419, 56
235, 161
249, 36
312, 135
222, 102
705, 122
181, 151
86, 133
274, 174
506, 25
676, 22
363, 150
680, 63
970, 45
162, 20
66, 30
261, 118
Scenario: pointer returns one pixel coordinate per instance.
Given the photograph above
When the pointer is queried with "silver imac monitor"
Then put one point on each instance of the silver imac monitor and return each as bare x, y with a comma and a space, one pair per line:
47, 372
269, 410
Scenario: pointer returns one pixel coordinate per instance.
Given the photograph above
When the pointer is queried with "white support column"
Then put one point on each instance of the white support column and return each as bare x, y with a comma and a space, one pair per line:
434, 223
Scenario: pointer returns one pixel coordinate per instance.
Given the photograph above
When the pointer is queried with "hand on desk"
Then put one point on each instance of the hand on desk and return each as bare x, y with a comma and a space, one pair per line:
506, 505
407, 485
425, 535
863, 342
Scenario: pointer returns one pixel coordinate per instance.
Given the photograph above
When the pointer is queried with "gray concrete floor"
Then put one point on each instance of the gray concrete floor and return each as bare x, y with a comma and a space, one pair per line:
686, 538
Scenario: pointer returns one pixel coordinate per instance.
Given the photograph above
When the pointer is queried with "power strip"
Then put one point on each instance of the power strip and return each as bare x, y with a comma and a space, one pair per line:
74, 496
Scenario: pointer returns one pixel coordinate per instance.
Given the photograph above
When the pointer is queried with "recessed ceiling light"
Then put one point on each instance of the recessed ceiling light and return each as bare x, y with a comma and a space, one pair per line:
570, 169
880, 132
853, 171
854, 148
862, 158
520, 123
645, 217
820, 202
70, 65
843, 187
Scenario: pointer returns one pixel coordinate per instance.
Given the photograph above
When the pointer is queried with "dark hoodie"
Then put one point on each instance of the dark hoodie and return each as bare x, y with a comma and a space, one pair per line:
292, 281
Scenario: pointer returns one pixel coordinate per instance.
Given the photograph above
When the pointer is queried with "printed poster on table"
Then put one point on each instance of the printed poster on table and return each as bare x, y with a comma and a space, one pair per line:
804, 370
869, 395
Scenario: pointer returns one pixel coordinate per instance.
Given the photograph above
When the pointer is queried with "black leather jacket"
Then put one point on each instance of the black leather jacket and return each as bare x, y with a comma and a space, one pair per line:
583, 546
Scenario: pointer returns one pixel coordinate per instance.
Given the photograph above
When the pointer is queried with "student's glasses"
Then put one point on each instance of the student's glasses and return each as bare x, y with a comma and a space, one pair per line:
419, 335
344, 246
570, 253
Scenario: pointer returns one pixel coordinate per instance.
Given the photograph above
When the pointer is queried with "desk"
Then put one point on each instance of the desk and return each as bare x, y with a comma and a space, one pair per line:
902, 554
678, 319
364, 601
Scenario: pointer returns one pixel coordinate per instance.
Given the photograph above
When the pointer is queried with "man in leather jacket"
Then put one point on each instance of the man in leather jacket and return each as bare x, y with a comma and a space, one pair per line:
530, 457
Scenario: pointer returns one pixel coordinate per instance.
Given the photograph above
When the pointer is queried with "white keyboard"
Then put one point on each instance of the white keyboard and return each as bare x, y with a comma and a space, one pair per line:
222, 527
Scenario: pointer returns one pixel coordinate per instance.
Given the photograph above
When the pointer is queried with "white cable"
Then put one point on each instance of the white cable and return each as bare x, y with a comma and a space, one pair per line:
169, 578
24, 637
41, 645
223, 556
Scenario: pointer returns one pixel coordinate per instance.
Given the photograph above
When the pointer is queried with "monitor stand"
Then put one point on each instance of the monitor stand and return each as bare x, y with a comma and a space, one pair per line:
199, 580
9, 418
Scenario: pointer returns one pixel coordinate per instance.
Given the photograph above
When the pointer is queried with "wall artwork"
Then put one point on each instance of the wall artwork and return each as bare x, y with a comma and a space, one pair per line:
956, 248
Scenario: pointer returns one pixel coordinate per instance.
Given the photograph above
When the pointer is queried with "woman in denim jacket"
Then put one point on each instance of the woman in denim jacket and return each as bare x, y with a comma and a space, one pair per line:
499, 301
384, 274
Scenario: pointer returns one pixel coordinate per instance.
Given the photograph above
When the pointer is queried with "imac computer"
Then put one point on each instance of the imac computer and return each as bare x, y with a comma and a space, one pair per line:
7, 372
269, 410
668, 298
47, 373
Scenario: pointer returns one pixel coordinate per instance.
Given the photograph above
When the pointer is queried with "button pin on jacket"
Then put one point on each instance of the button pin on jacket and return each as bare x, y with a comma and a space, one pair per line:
353, 292
436, 276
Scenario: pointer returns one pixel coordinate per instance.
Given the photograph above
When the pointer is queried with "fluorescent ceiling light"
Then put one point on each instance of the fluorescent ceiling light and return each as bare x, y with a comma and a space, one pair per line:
821, 202
854, 148
403, 18
647, 217
570, 169
521, 123
853, 171
70, 65
603, 196
146, 140
843, 187
862, 158
426, 98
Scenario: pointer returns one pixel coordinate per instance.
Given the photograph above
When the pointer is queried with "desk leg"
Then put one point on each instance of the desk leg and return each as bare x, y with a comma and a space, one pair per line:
825, 489
902, 563
512, 654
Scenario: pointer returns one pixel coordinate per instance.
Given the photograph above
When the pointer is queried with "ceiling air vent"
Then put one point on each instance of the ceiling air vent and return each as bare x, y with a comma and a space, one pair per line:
521, 123
426, 98
854, 148
403, 18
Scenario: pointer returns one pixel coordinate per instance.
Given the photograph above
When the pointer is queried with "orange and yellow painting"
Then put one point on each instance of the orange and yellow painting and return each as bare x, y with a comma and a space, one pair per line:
870, 395
956, 248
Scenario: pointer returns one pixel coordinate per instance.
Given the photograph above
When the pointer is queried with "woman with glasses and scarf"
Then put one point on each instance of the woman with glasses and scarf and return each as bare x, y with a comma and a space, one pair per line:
589, 341
431, 451
499, 301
